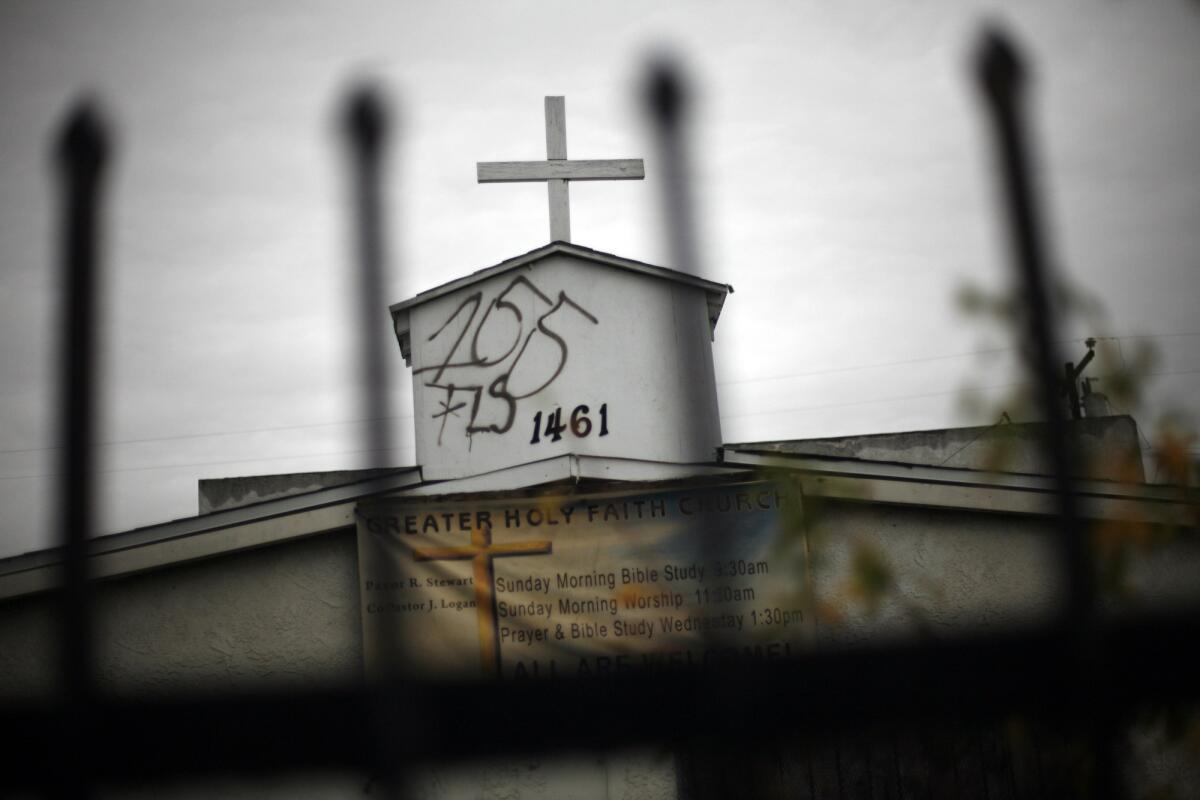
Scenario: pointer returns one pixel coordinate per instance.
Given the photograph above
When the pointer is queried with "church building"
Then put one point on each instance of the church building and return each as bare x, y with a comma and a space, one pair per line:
575, 512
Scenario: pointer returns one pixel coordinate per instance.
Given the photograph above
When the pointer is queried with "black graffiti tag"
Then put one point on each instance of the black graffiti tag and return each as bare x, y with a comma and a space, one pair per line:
489, 376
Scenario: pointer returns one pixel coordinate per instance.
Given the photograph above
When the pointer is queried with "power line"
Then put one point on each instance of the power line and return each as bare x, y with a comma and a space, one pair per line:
1176, 372
831, 371
210, 463
1144, 336
914, 396
211, 434
858, 367
871, 401
902, 362
868, 402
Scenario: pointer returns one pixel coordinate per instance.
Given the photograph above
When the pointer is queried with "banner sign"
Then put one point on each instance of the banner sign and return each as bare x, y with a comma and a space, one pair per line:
582, 584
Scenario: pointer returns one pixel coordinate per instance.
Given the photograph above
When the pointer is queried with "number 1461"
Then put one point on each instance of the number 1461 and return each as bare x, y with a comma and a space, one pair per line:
579, 422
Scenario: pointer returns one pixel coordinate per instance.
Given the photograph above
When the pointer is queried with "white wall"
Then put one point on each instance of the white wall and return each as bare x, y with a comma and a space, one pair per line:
638, 346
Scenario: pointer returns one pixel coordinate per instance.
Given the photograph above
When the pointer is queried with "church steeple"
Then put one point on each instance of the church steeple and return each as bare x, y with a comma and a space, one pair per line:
562, 350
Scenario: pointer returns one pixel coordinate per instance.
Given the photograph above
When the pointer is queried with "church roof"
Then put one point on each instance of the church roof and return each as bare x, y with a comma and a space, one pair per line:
274, 520
715, 291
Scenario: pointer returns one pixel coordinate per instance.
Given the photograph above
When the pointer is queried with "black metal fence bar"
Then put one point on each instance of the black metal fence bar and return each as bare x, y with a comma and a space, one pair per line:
366, 128
1002, 75
82, 156
666, 104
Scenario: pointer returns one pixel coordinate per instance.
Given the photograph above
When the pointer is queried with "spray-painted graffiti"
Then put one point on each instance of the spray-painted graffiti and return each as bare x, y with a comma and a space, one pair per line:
491, 363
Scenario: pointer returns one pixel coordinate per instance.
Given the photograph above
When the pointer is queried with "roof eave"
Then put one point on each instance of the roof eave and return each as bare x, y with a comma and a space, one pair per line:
716, 292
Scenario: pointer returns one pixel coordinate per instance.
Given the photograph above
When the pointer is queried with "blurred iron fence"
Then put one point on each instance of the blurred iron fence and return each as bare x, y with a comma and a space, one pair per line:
910, 719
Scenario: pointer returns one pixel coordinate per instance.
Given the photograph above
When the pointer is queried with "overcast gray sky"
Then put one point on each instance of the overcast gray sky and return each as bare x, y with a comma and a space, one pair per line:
842, 176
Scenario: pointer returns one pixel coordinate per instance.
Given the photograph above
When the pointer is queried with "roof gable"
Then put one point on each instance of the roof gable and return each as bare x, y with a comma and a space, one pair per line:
715, 292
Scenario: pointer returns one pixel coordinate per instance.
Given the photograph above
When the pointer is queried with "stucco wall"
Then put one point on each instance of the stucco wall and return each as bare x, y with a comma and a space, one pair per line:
278, 616
950, 572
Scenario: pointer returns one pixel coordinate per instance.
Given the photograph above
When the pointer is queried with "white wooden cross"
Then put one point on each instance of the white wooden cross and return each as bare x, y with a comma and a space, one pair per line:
556, 170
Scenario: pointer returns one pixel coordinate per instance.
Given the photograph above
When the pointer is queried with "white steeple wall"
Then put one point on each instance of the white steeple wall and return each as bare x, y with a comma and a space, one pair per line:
562, 354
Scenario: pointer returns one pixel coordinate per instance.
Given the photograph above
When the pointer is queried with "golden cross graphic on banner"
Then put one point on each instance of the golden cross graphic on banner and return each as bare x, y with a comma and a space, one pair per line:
556, 170
481, 551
